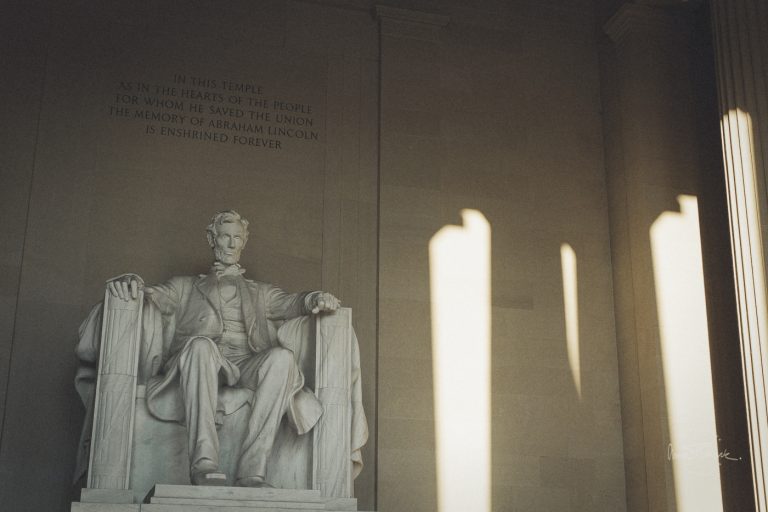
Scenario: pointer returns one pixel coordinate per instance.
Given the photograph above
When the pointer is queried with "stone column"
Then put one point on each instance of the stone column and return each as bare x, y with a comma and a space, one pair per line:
741, 32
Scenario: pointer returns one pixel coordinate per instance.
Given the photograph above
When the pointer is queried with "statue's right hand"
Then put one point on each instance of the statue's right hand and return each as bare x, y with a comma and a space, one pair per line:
126, 286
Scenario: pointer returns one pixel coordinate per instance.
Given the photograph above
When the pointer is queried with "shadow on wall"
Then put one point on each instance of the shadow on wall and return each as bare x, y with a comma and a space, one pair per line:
678, 275
461, 304
692, 453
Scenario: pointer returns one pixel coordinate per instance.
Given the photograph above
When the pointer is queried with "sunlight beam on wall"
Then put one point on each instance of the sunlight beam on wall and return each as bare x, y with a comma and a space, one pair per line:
682, 313
571, 305
459, 261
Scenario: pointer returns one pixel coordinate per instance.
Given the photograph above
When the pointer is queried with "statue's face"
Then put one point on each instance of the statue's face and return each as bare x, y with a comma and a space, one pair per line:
229, 242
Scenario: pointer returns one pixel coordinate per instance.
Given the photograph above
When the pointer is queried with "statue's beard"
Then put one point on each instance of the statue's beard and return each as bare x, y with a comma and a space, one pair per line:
226, 259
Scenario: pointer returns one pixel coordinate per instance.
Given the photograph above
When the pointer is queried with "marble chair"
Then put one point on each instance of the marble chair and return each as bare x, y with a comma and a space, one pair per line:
131, 451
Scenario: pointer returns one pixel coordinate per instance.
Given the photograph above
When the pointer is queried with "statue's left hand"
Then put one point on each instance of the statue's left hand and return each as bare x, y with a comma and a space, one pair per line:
323, 301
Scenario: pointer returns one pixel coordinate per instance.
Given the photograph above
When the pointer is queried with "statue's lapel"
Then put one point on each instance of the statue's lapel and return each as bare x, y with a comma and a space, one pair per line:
249, 304
208, 286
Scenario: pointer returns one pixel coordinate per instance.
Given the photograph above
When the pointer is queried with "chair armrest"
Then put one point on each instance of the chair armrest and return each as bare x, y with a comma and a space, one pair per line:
114, 408
332, 466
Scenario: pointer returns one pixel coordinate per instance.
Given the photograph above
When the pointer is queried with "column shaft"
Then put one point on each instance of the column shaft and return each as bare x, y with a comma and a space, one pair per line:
741, 31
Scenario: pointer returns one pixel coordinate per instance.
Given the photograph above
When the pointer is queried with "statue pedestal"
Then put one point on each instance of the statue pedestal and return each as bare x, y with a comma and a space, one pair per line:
190, 498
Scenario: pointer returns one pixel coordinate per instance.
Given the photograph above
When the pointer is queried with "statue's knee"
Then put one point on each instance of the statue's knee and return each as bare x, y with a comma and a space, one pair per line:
200, 347
281, 357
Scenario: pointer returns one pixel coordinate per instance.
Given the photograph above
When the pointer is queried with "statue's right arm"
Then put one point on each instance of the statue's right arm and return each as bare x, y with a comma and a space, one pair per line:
165, 296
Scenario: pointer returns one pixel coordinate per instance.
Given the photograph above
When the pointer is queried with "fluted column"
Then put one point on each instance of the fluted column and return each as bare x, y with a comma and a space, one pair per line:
741, 33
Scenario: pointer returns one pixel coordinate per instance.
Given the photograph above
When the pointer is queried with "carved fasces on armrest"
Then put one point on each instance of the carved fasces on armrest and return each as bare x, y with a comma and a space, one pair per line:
332, 467
111, 439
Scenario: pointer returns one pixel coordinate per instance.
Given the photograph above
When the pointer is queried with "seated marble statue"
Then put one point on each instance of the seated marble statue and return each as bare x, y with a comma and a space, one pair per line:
218, 330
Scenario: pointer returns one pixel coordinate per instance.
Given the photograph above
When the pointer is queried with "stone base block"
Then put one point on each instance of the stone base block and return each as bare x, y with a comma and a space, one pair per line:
78, 506
194, 498
156, 507
106, 496
191, 498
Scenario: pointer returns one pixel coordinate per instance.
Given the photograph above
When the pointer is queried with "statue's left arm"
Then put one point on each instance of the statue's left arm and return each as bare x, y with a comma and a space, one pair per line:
282, 305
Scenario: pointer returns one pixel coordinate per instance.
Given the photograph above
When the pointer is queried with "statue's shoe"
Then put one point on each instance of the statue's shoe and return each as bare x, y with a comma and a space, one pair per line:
209, 478
253, 481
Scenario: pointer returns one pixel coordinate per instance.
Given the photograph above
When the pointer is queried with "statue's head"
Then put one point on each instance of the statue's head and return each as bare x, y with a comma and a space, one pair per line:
227, 234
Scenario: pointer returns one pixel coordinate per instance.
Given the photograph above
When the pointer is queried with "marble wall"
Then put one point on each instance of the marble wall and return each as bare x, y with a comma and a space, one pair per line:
499, 112
117, 176
493, 107
662, 142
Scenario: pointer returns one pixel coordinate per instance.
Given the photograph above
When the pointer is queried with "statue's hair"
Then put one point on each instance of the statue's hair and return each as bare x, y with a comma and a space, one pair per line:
225, 217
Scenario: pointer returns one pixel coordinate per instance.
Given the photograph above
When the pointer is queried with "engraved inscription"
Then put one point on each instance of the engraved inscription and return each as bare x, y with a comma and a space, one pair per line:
216, 110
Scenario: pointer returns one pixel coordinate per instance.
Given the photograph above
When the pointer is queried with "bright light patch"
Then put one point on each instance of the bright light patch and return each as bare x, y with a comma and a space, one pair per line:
459, 260
571, 305
750, 279
679, 279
